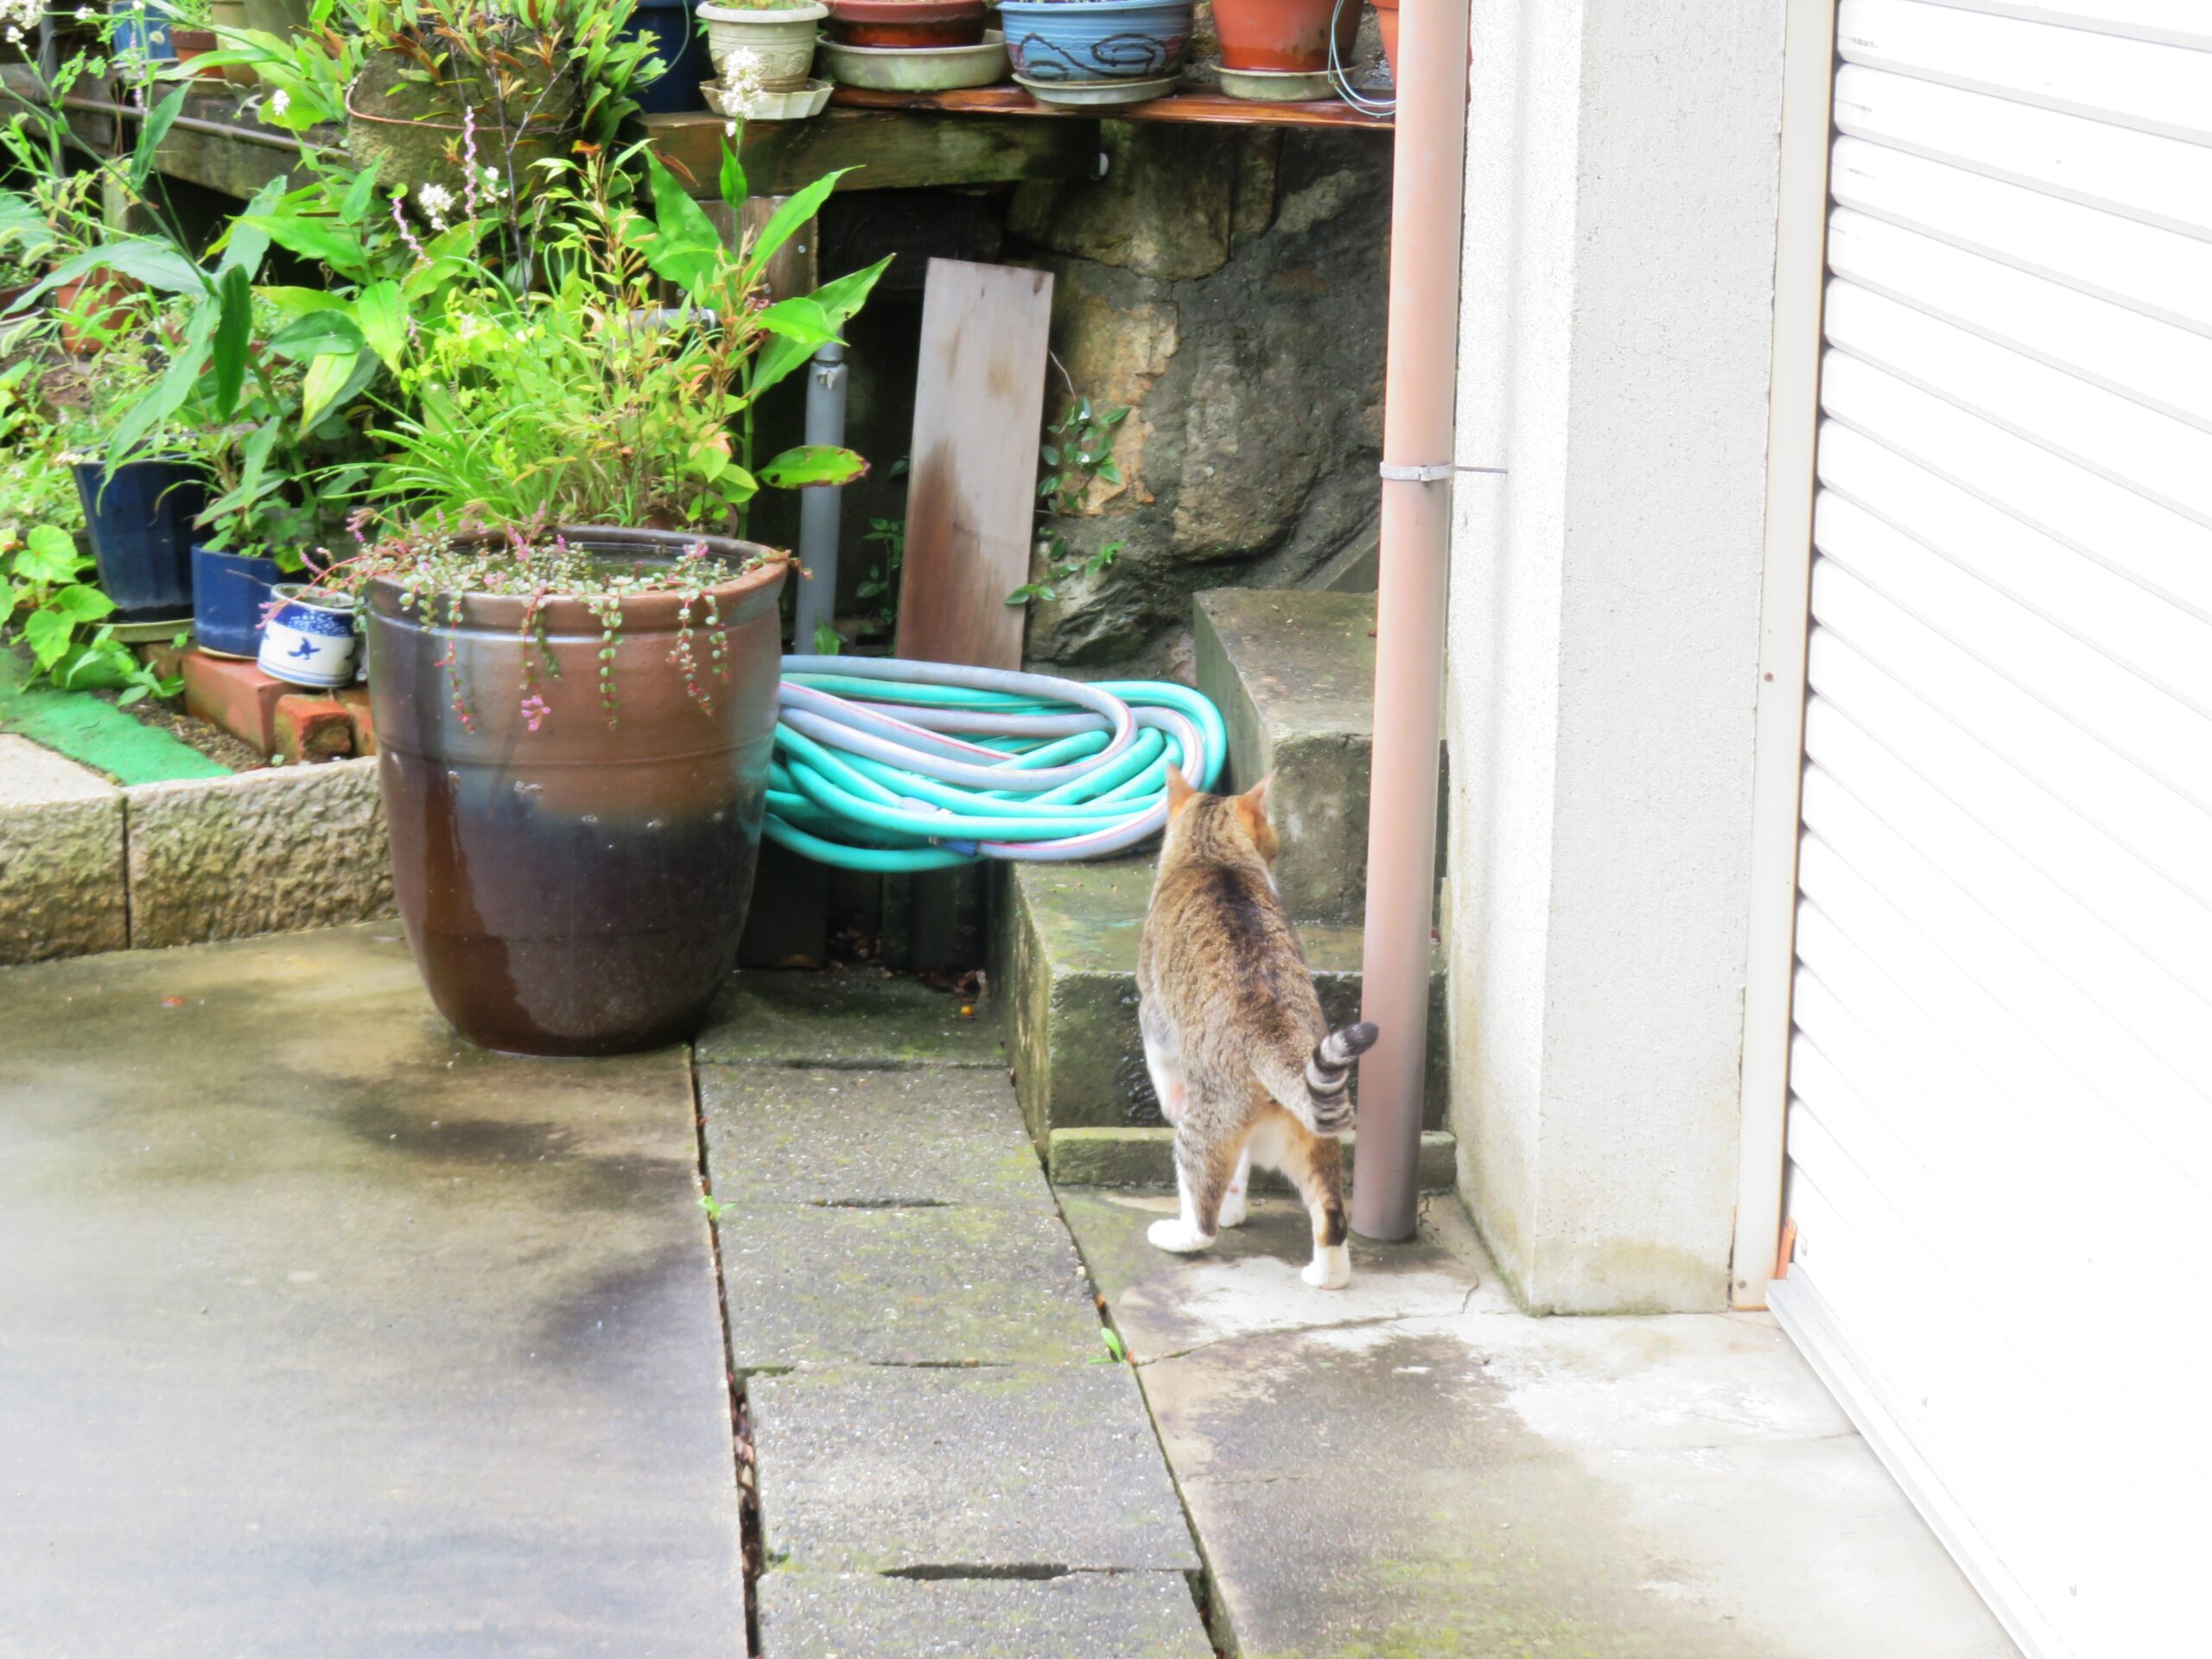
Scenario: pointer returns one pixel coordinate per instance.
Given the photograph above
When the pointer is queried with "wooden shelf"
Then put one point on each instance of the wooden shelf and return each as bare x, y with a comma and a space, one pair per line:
1194, 105
214, 144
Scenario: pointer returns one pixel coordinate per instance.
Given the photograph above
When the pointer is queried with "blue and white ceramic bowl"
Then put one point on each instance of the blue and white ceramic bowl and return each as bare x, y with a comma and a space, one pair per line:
309, 641
1095, 40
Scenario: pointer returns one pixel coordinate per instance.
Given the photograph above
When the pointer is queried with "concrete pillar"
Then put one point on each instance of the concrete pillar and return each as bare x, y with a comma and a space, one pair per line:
1603, 648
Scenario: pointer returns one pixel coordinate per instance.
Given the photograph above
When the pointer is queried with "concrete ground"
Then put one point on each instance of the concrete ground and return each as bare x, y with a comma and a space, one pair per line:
1411, 1467
323, 1332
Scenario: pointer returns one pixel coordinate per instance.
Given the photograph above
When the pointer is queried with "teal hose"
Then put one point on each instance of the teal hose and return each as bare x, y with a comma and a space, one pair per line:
890, 766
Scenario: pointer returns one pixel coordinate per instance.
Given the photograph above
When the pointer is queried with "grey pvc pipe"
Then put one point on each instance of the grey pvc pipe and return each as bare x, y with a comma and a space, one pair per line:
820, 508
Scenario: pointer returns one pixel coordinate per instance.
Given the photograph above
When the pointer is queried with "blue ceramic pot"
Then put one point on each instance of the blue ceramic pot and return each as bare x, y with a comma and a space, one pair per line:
139, 517
674, 32
228, 593
1095, 40
143, 28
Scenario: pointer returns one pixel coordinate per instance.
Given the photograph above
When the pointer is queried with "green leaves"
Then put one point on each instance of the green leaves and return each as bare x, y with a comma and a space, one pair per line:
838, 300
784, 223
382, 314
151, 131
331, 381
810, 465
233, 338
683, 246
318, 334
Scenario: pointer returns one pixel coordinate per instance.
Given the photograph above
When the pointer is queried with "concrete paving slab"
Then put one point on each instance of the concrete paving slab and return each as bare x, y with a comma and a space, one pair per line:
943, 1285
994, 1472
1474, 1482
1145, 1157
1249, 1283
326, 1333
1080, 1616
856, 1017
935, 1135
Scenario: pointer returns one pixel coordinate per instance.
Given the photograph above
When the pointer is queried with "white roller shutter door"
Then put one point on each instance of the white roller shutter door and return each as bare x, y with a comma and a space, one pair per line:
2001, 1120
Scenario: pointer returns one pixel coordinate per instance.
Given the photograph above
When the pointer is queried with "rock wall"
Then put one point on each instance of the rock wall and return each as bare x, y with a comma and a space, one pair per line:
1227, 285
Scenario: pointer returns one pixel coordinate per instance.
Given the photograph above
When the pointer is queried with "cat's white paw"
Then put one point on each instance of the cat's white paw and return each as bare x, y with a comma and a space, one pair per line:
1234, 1211
1331, 1268
1177, 1236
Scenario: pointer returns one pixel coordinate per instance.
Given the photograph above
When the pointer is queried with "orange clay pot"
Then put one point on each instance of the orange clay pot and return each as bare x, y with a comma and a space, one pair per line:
1283, 35
1386, 19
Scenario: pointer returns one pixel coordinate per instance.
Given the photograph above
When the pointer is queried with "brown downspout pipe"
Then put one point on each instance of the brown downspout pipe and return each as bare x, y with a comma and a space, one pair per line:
1427, 157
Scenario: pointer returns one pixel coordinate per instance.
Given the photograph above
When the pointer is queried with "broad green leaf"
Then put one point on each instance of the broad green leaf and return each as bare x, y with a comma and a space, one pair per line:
49, 554
845, 294
171, 390
337, 245
23, 229
155, 263
360, 195
779, 357
299, 301
382, 314
683, 246
801, 321
83, 604
732, 180
331, 382
247, 243
784, 223
318, 334
233, 338
46, 633
151, 131
812, 464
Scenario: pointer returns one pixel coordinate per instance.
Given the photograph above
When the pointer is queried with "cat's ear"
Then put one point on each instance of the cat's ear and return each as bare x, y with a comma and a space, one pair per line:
1255, 800
1179, 792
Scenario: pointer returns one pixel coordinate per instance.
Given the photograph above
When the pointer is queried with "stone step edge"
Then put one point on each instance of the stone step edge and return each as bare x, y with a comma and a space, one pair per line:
1144, 1157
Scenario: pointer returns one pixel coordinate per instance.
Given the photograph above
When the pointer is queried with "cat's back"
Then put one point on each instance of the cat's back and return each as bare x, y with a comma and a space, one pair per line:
1217, 944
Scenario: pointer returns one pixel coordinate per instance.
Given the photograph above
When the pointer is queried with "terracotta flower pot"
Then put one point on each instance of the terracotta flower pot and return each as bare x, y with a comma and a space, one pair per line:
906, 22
77, 303
577, 888
1284, 35
190, 43
1386, 20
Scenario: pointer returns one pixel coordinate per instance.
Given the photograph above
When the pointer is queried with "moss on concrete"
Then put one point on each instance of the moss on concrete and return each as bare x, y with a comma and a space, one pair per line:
1146, 1157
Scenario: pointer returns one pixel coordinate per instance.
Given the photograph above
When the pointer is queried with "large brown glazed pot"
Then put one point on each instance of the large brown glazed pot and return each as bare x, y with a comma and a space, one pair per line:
578, 889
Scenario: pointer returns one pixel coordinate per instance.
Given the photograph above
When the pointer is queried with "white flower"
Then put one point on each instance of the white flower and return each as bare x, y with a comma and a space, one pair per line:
86, 15
741, 75
729, 128
437, 201
279, 101
492, 184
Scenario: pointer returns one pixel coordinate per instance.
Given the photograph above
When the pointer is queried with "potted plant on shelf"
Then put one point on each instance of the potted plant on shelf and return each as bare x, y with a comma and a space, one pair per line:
1097, 52
923, 23
445, 86
778, 34
573, 652
192, 36
1280, 48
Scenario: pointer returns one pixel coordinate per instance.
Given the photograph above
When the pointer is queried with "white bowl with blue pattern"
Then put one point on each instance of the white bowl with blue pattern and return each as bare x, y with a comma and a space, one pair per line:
309, 638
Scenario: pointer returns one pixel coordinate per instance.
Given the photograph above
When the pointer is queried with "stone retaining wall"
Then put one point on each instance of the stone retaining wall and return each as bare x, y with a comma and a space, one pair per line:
85, 866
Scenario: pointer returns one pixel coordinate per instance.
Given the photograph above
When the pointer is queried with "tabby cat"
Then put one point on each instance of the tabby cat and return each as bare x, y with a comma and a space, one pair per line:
1245, 1067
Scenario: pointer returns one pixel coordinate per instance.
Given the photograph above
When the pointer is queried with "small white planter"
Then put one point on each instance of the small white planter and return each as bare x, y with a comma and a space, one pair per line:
309, 641
794, 106
782, 41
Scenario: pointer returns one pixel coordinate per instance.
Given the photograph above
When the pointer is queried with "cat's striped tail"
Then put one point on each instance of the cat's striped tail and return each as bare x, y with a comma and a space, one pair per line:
1323, 1098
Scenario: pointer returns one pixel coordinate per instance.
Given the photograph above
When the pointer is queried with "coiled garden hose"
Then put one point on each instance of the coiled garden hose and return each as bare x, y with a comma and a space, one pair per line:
887, 765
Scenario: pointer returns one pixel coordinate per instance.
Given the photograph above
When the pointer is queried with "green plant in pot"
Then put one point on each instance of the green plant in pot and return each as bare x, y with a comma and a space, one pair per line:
494, 88
573, 653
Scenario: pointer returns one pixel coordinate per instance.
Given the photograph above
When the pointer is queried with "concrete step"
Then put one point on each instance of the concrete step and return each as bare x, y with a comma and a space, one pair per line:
1293, 672
1064, 971
1145, 1157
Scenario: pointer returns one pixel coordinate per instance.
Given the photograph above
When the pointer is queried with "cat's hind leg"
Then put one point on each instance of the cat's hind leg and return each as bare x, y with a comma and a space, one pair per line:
1201, 1171
1316, 1163
1161, 1060
1235, 1210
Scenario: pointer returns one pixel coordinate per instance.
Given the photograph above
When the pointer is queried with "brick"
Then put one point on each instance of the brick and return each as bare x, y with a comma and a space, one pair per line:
166, 660
313, 728
363, 714
236, 696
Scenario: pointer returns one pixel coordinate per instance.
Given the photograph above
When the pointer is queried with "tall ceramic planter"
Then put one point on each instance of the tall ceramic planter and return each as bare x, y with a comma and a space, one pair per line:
576, 888
139, 519
413, 132
667, 23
